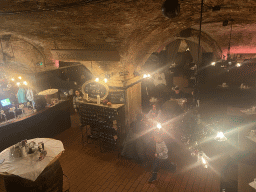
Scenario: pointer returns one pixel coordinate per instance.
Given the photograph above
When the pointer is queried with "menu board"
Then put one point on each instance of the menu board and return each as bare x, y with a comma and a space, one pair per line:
93, 89
117, 97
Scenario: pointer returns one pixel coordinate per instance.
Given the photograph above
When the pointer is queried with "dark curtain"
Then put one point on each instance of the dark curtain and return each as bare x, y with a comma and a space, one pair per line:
193, 47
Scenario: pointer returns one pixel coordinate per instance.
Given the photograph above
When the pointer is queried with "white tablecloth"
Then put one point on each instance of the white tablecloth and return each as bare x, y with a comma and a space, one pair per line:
253, 184
30, 167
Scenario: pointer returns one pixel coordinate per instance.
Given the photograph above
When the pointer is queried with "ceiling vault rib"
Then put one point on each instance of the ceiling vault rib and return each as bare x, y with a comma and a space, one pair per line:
42, 54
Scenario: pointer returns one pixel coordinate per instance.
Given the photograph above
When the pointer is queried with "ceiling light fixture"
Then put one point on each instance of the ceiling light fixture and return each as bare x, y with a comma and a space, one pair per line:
171, 8
97, 79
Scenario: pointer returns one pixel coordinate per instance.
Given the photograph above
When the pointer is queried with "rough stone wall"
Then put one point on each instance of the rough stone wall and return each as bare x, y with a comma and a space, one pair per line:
135, 28
133, 103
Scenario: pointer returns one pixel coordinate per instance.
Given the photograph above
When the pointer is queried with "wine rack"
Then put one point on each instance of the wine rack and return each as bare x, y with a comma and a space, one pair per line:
106, 123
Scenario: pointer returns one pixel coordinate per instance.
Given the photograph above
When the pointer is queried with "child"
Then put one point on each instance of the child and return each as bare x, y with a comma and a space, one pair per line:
76, 98
161, 156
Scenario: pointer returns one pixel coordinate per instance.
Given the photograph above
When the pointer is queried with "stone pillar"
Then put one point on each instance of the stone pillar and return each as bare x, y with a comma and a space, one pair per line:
133, 103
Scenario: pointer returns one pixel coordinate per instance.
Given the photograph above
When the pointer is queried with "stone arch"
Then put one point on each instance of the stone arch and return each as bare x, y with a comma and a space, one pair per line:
208, 44
23, 54
160, 38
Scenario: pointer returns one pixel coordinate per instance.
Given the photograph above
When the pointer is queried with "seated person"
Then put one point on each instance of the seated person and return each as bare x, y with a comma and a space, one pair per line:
177, 93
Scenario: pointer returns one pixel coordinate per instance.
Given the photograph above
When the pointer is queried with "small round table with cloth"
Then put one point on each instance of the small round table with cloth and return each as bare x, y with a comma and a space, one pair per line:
29, 174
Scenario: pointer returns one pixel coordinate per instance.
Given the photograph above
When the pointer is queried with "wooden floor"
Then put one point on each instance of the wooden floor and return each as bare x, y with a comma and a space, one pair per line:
88, 169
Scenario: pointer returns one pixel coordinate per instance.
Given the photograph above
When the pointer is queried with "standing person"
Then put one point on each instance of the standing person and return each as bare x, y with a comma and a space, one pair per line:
21, 95
155, 110
30, 96
142, 138
76, 98
161, 156
134, 147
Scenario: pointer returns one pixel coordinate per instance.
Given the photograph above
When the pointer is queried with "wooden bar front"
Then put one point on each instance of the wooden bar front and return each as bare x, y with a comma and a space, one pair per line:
46, 123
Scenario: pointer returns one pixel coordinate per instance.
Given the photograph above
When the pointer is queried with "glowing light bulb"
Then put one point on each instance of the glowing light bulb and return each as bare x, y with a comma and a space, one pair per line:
106, 80
213, 63
19, 77
25, 83
18, 83
145, 76
238, 65
204, 161
159, 126
97, 79
13, 79
220, 137
148, 75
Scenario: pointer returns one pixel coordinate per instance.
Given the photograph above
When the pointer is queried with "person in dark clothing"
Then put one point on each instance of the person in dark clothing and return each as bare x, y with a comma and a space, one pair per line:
76, 99
177, 93
134, 144
193, 99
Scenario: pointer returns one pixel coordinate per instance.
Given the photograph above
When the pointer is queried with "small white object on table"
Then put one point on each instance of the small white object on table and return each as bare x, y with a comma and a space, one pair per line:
224, 85
30, 167
253, 184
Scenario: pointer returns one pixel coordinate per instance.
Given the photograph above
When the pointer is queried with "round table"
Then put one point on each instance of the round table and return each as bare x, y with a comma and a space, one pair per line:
51, 179
29, 174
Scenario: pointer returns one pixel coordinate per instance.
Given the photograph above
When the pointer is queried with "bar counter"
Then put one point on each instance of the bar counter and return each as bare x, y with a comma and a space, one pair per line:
45, 123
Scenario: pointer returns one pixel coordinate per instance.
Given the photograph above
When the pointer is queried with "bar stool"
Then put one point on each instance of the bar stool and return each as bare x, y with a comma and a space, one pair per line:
85, 136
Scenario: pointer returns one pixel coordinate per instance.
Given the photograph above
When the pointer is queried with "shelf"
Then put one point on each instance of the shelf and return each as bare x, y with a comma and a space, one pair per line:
113, 106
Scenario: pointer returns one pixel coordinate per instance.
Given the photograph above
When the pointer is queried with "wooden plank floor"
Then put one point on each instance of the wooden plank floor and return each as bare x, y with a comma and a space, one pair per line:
88, 169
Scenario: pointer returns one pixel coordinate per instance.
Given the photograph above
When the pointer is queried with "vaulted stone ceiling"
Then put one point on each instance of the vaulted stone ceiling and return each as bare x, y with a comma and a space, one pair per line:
135, 27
